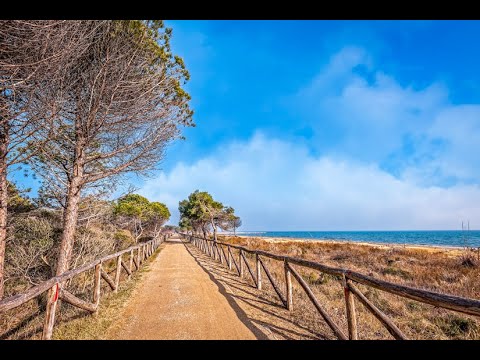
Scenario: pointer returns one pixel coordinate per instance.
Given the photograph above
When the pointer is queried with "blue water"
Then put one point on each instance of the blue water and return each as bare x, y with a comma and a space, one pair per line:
439, 238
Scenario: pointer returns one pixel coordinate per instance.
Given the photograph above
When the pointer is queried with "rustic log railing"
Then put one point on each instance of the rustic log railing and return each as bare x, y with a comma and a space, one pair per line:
347, 277
56, 290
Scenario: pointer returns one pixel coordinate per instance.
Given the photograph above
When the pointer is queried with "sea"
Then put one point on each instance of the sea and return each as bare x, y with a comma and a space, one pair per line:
454, 238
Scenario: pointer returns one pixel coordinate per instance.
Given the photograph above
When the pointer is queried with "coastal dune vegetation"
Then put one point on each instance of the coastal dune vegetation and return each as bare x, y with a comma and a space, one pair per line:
104, 227
443, 270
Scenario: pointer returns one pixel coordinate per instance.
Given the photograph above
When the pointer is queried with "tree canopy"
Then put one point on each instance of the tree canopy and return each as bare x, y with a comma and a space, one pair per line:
200, 213
121, 102
140, 215
84, 103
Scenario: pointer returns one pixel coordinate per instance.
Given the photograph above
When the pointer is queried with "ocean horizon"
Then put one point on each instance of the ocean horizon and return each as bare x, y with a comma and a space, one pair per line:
455, 238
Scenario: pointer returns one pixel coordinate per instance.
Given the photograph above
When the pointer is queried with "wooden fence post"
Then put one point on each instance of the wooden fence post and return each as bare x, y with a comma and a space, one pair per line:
138, 256
241, 263
52, 298
229, 259
220, 253
130, 264
288, 283
389, 325
117, 274
272, 281
96, 285
351, 314
259, 273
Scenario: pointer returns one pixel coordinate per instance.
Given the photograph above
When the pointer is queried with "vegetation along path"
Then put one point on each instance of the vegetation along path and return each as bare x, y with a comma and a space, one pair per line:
179, 300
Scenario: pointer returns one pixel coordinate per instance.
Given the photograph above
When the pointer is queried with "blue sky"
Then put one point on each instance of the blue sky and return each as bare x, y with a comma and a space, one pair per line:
330, 125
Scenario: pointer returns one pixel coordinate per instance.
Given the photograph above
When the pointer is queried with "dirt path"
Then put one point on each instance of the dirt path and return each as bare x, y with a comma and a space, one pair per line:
178, 300
262, 308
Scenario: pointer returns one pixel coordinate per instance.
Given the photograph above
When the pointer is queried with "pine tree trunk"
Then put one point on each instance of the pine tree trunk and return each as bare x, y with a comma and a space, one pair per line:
3, 206
214, 231
70, 217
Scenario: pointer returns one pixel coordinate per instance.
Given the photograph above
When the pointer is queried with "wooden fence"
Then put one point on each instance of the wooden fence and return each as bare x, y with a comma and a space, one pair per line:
57, 290
217, 251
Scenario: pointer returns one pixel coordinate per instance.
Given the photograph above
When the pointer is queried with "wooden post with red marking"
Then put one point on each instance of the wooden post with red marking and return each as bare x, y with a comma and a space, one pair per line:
50, 312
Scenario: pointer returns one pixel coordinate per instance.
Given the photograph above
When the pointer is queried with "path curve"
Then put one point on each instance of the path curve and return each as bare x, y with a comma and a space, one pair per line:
178, 300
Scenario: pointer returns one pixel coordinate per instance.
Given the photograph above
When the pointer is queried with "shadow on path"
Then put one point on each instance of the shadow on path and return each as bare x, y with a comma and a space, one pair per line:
238, 310
264, 317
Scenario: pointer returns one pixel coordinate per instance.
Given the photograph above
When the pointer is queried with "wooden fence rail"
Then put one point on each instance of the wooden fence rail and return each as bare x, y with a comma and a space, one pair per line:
56, 288
348, 278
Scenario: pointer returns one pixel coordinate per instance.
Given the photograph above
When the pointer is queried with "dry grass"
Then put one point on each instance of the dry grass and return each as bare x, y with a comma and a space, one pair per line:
26, 321
435, 269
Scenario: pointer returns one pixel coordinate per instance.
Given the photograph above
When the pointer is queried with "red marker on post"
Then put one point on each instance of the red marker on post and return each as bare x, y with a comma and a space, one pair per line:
55, 298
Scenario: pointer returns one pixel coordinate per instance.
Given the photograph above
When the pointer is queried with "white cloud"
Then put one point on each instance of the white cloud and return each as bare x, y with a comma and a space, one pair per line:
385, 150
368, 115
277, 185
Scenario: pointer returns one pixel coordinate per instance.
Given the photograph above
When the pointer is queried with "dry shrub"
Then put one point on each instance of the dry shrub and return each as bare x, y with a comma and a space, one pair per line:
32, 253
123, 239
457, 327
30, 240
